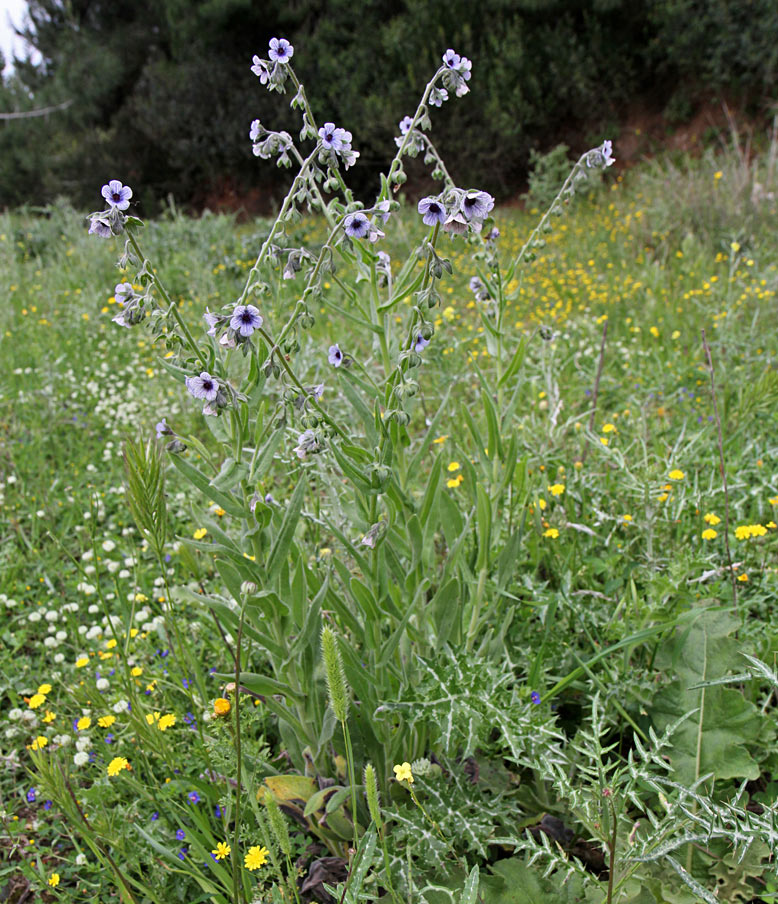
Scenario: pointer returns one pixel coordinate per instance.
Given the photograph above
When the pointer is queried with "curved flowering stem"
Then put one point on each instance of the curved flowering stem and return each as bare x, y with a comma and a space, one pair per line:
172, 305
394, 166
310, 118
254, 271
566, 191
438, 160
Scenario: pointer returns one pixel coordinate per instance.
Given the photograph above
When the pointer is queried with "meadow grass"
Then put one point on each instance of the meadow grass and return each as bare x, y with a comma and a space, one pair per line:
617, 519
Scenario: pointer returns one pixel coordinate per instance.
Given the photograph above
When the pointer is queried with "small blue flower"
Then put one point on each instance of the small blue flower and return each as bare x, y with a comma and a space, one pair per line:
180, 834
356, 225
182, 854
281, 51
217, 811
31, 796
535, 697
163, 429
432, 211
203, 387
109, 739
421, 343
116, 194
47, 805
245, 319
154, 816
194, 797
333, 138
335, 355
477, 204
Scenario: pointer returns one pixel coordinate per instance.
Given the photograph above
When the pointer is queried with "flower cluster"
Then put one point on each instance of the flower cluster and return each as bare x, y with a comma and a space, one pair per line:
110, 221
131, 306
234, 328
456, 74
746, 531
602, 156
208, 389
273, 72
336, 142
268, 144
458, 210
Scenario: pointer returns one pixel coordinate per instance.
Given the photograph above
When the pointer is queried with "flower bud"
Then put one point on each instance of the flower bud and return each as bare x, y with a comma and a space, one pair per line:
248, 588
307, 320
309, 421
414, 359
427, 330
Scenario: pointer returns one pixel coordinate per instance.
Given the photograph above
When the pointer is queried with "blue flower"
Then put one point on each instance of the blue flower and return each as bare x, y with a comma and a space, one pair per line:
333, 138
194, 797
217, 811
163, 429
535, 697
47, 805
203, 387
245, 319
356, 225
154, 816
281, 51
432, 211
180, 834
421, 343
31, 796
477, 204
335, 356
182, 854
116, 194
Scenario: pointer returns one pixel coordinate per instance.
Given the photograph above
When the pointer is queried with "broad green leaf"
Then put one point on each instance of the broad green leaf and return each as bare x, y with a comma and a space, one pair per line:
198, 479
723, 724
283, 539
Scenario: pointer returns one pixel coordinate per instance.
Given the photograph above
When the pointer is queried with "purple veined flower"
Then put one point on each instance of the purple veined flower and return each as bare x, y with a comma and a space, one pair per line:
607, 153
245, 319
457, 223
405, 123
117, 195
421, 343
100, 226
535, 697
203, 387
356, 225
494, 234
438, 96
163, 429
306, 442
317, 391
269, 499
333, 138
212, 320
384, 210
384, 262
432, 210
193, 797
477, 204
335, 355
180, 834
369, 540
452, 59
123, 292
260, 69
256, 130
281, 51
121, 319
209, 410
227, 340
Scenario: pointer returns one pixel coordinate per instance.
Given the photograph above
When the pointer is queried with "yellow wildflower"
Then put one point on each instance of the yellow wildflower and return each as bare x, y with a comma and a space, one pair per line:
36, 700
221, 850
710, 518
167, 721
106, 721
221, 706
44, 689
403, 773
83, 723
54, 880
256, 857
200, 533
676, 474
117, 764
556, 489
552, 532
709, 534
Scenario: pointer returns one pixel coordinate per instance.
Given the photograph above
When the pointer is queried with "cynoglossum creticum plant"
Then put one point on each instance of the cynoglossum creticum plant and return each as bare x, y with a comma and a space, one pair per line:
414, 568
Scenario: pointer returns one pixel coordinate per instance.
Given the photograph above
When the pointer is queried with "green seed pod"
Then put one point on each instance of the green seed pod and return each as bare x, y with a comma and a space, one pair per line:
371, 787
336, 678
277, 823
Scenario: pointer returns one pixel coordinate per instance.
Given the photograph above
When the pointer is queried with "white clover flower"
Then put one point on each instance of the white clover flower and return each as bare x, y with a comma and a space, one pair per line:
112, 567
103, 684
93, 609
59, 658
52, 615
51, 642
15, 714
120, 707
11, 733
108, 545
81, 758
61, 635
83, 742
81, 860
124, 573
